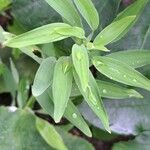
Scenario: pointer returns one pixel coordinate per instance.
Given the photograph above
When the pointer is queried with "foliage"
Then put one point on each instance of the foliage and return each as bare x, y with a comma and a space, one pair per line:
67, 40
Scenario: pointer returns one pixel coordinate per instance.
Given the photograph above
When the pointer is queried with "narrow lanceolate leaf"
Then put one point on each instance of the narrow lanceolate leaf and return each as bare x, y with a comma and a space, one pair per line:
67, 10
92, 97
71, 113
89, 12
113, 31
49, 134
44, 76
45, 34
14, 71
62, 83
120, 72
133, 9
81, 64
114, 91
74, 116
133, 58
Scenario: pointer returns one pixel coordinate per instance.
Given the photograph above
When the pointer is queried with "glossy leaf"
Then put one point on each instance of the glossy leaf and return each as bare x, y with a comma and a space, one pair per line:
133, 58
45, 34
44, 76
89, 12
62, 82
120, 72
67, 10
113, 31
92, 97
114, 91
46, 103
81, 64
49, 134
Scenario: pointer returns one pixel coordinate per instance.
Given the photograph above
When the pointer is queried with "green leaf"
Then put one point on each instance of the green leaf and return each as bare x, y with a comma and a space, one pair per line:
89, 12
74, 142
133, 58
140, 142
74, 116
81, 64
18, 131
139, 35
23, 92
92, 97
113, 31
62, 82
49, 134
120, 72
67, 10
4, 4
128, 117
133, 9
46, 103
44, 34
114, 91
14, 71
44, 76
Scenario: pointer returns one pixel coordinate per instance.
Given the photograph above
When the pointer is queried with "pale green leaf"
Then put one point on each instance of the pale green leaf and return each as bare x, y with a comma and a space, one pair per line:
14, 71
44, 76
67, 10
4, 4
133, 58
92, 97
49, 134
44, 34
62, 83
120, 72
113, 31
114, 91
89, 12
45, 100
81, 64
134, 9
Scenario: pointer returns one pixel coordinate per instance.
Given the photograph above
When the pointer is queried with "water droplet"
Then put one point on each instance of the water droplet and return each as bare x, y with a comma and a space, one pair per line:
101, 36
104, 91
74, 115
134, 80
99, 63
98, 108
111, 78
124, 76
79, 56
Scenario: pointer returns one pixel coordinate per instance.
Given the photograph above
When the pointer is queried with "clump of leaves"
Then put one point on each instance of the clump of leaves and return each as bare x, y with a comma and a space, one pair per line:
61, 79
